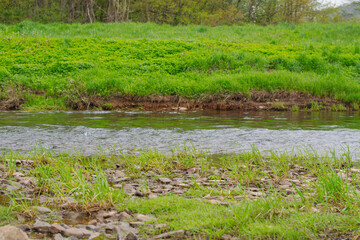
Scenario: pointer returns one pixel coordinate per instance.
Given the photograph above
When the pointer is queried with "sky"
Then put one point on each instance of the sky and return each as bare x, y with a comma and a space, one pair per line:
334, 2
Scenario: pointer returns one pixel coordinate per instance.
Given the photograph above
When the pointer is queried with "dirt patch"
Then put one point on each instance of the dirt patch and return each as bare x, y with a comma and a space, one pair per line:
256, 100
11, 99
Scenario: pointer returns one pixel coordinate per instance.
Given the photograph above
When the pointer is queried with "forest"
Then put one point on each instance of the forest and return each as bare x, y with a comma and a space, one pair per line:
172, 12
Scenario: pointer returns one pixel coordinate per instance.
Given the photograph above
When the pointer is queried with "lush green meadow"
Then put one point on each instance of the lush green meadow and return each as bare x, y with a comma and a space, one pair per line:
48, 65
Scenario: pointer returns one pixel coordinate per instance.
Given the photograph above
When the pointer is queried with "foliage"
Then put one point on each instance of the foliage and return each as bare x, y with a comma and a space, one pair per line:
174, 12
75, 63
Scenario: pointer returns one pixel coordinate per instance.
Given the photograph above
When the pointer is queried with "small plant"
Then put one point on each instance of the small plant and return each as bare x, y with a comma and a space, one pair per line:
338, 108
108, 106
355, 106
279, 106
315, 106
295, 108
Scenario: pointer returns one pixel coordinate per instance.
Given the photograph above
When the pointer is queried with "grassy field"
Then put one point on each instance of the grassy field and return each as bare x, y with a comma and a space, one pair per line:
51, 66
303, 195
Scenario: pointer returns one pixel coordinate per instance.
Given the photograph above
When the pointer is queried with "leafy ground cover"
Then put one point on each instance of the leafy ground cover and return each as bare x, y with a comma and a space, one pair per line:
60, 66
185, 195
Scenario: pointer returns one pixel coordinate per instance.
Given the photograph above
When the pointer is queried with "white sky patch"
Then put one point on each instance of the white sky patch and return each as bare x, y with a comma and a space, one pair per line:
335, 2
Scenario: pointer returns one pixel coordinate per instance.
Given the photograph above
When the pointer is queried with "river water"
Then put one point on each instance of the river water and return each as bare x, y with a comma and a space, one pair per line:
216, 132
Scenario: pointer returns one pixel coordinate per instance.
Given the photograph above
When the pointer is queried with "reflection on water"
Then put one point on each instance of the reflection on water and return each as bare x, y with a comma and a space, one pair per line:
218, 132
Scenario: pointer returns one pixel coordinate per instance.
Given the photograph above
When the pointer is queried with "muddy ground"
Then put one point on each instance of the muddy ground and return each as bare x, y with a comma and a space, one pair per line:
255, 100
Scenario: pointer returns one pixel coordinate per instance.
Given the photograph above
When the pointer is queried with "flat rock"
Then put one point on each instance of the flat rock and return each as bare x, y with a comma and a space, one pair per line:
124, 228
131, 236
159, 226
177, 233
43, 227
123, 179
12, 233
136, 224
42, 210
24, 227
77, 232
94, 235
124, 216
152, 195
58, 228
144, 218
165, 180
129, 189
109, 214
58, 236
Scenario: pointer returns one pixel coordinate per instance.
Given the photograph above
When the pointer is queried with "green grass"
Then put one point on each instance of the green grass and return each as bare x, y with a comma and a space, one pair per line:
68, 63
265, 218
6, 215
325, 203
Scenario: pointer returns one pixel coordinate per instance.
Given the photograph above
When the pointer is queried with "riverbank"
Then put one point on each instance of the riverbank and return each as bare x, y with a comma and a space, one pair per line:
253, 101
185, 195
45, 68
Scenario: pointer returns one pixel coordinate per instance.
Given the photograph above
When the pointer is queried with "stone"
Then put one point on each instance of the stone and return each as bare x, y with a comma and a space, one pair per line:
43, 227
139, 194
77, 232
12, 233
177, 234
119, 174
226, 237
109, 214
70, 200
43, 199
152, 195
27, 181
165, 180
75, 215
129, 189
124, 216
136, 224
168, 187
58, 236
131, 236
58, 228
144, 218
123, 179
42, 210
21, 218
94, 235
159, 226
124, 227
93, 222
18, 175
24, 227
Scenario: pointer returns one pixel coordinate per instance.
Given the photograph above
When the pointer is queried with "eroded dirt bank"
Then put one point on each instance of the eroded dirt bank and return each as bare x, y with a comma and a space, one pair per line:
255, 100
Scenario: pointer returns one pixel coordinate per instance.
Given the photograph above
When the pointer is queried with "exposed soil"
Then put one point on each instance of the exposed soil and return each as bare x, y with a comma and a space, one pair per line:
256, 100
